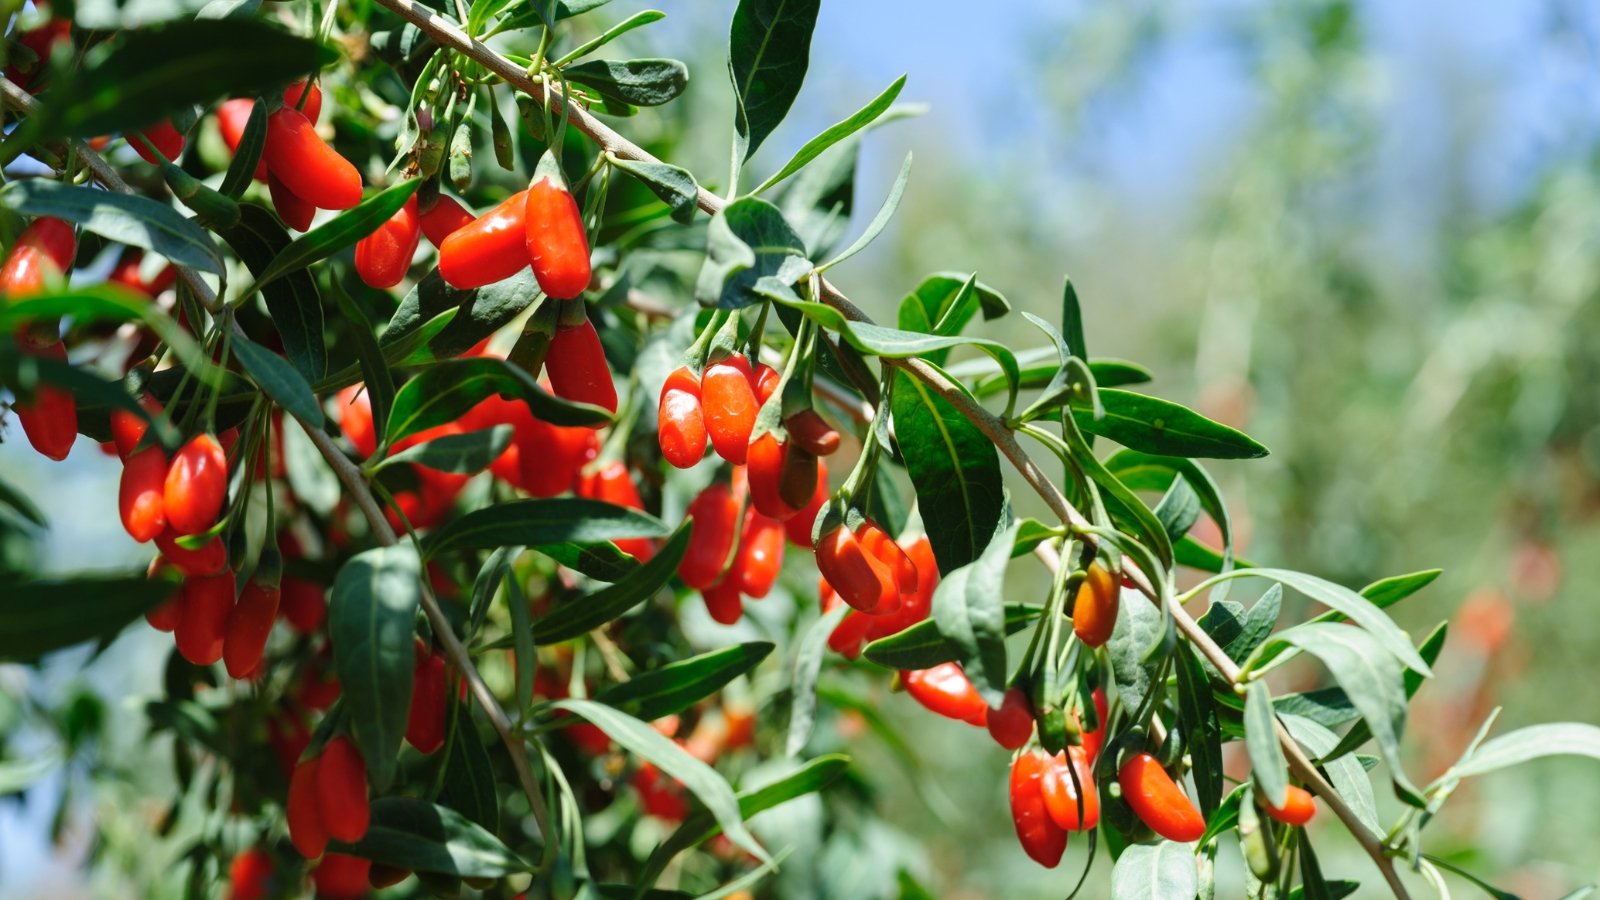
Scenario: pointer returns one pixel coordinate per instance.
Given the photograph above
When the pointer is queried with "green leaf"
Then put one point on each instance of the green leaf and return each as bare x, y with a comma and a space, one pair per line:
477, 313
1359, 733
469, 773
1152, 425
18, 502
769, 47
312, 480
371, 619
954, 469
748, 242
677, 686
922, 646
1110, 373
413, 834
815, 775
602, 562
338, 233
1528, 744
1179, 509
37, 617
1124, 506
1158, 869
279, 380
819, 201
1386, 592
1348, 603
523, 652
151, 73
1198, 715
1370, 677
375, 374
1145, 472
968, 610
442, 393
641, 82
242, 168
1258, 624
807, 668
120, 218
946, 298
1225, 817
700, 779
1139, 627
459, 453
1072, 322
838, 132
637, 20
584, 614
1267, 764
676, 187
23, 372
533, 522
292, 301
880, 220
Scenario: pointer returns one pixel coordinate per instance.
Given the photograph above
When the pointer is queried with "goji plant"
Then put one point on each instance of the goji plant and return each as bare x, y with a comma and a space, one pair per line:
454, 515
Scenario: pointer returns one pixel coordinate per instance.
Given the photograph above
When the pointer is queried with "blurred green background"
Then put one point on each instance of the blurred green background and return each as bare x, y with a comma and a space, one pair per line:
1366, 233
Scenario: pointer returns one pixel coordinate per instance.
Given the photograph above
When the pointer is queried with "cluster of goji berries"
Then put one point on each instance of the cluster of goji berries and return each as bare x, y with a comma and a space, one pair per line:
42, 255
303, 173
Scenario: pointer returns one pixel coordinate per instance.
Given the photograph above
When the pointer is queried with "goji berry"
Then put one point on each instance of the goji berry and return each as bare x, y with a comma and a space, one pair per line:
250, 875
425, 721
1042, 839
140, 494
207, 559
168, 140
1297, 809
341, 877
305, 163
196, 485
1157, 800
723, 601
760, 555
249, 625
1094, 611
576, 364
1012, 724
765, 459
383, 256
861, 580
801, 524
304, 604
557, 245
295, 211
342, 791
445, 217
681, 424
808, 430
50, 419
715, 514
303, 810
1061, 794
946, 690
730, 407
203, 618
491, 248
1094, 740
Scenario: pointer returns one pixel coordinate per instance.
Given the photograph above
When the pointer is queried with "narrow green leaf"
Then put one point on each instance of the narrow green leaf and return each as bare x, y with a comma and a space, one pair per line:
803, 688
37, 617
1348, 603
1345, 773
1152, 425
700, 779
293, 301
242, 168
815, 775
637, 20
676, 187
371, 619
535, 522
922, 646
968, 610
880, 220
836, 133
1198, 714
476, 314
584, 614
150, 73
407, 833
279, 380
523, 652
1528, 744
442, 393
769, 47
1179, 509
338, 233
1072, 321
1359, 733
463, 454
679, 685
121, 218
1267, 764
1139, 626
18, 502
468, 784
954, 469
1110, 373
310, 477
1386, 592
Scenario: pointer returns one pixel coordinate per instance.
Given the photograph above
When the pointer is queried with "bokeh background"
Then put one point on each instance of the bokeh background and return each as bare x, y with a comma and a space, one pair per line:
1368, 233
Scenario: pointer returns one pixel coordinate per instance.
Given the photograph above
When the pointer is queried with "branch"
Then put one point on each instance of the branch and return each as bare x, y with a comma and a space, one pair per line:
447, 34
355, 484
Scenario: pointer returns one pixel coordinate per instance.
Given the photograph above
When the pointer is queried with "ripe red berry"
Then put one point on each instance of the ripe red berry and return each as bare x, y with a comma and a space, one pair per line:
730, 407
342, 791
249, 626
341, 877
723, 601
1012, 724
681, 425
425, 722
576, 365
196, 485
808, 430
1158, 801
946, 690
1061, 794
383, 256
445, 217
44, 251
203, 618
557, 245
140, 494
1042, 839
1094, 611
295, 211
305, 163
766, 457
208, 559
50, 419
492, 248
166, 139
303, 811
716, 522
304, 604
1297, 809
250, 875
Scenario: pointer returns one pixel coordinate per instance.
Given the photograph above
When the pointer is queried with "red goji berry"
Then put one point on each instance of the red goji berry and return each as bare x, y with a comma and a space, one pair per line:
681, 424
1042, 839
557, 245
166, 616
203, 618
304, 604
491, 248
304, 162
249, 625
1012, 724
140, 494
861, 580
1297, 809
808, 430
250, 875
576, 364
425, 722
730, 407
127, 428
765, 458
1094, 740
295, 211
723, 600
800, 526
946, 690
341, 877
342, 791
43, 252
1094, 611
207, 559
303, 810
658, 795
1158, 801
50, 419
715, 514
1061, 795
383, 256
168, 140
760, 555
445, 217
196, 485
